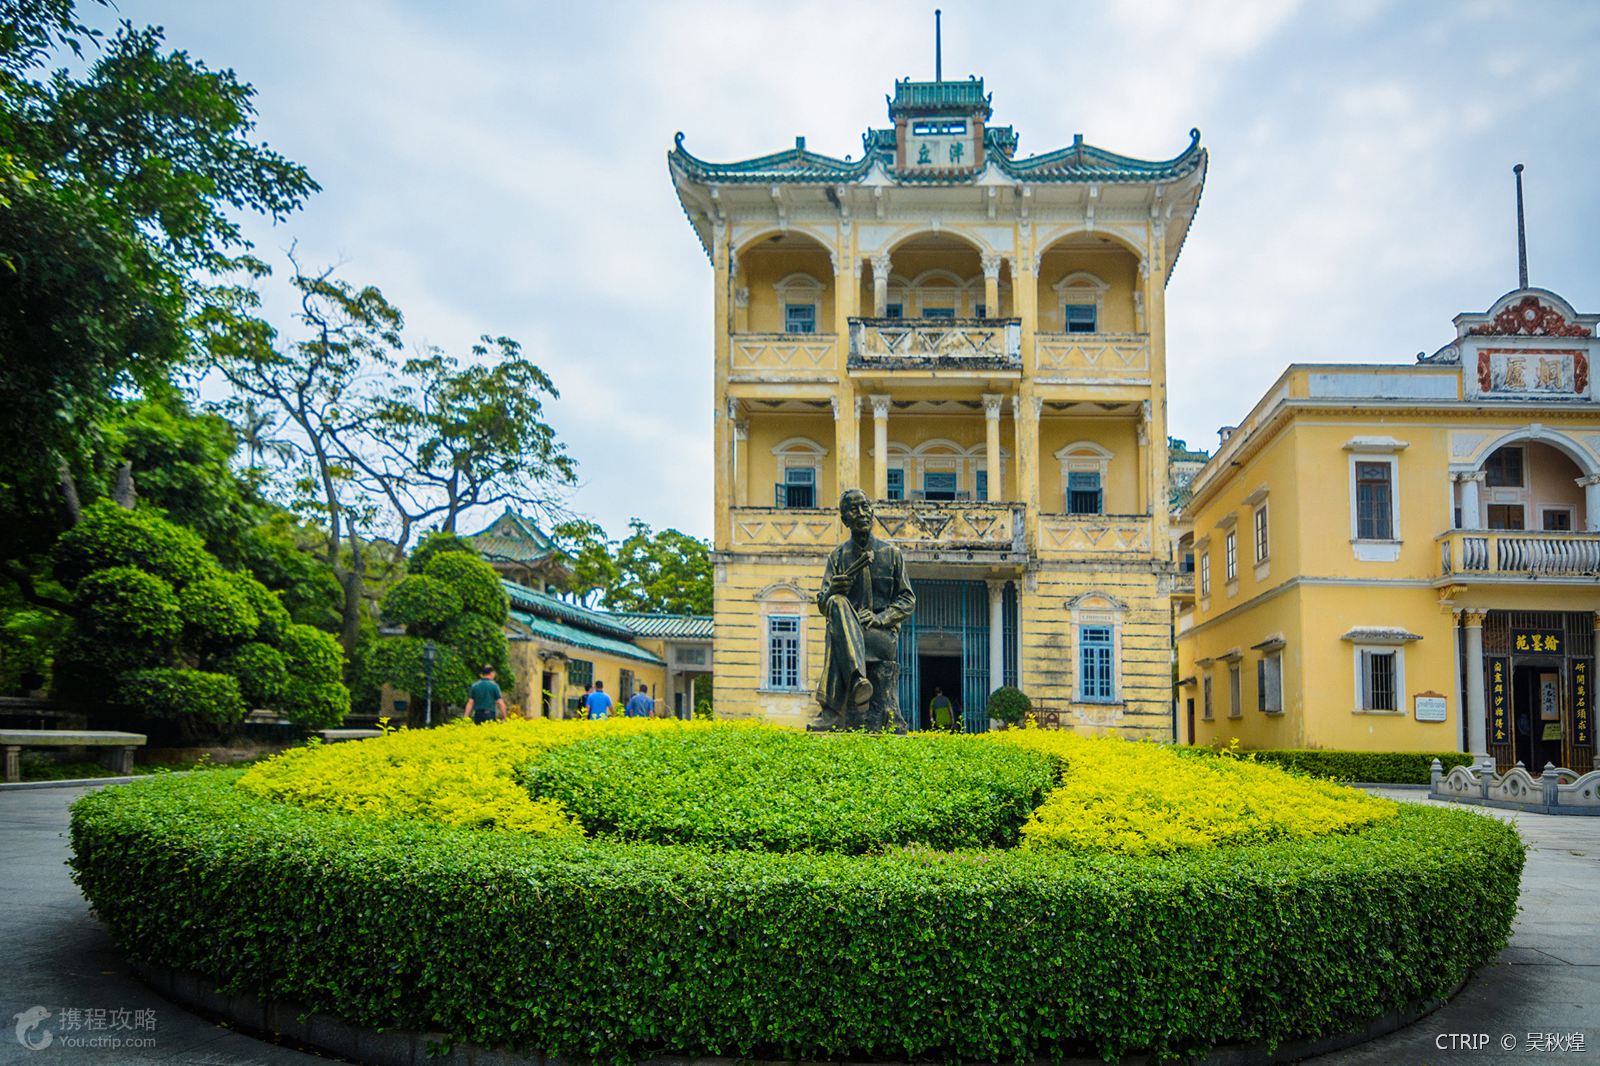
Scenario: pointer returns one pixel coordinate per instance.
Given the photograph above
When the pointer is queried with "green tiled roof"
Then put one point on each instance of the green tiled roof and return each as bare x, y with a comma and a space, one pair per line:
573, 637
928, 96
668, 626
545, 605
512, 538
1079, 162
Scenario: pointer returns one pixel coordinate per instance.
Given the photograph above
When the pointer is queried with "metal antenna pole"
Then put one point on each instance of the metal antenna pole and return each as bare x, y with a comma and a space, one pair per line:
1522, 234
938, 49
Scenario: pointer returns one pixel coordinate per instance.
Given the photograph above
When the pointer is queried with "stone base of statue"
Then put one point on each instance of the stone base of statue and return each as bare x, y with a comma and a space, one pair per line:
880, 714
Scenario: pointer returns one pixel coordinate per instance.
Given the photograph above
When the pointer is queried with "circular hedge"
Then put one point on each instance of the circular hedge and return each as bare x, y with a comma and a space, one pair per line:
387, 908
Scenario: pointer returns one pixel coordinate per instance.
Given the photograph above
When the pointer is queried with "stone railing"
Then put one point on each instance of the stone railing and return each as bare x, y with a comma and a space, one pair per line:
956, 526
913, 525
901, 343
1555, 791
1519, 553
1094, 534
1118, 355
783, 355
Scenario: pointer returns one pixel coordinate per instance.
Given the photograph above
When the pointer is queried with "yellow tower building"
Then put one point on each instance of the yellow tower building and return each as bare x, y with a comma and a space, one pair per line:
978, 341
1407, 557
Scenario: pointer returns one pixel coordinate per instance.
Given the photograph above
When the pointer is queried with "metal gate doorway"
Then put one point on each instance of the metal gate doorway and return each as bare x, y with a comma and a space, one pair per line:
951, 630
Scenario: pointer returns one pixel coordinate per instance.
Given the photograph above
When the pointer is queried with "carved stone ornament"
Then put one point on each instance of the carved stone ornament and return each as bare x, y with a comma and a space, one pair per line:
1529, 318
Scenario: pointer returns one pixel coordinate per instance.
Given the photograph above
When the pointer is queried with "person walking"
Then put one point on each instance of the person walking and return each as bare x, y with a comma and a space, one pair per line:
641, 705
599, 701
485, 702
941, 711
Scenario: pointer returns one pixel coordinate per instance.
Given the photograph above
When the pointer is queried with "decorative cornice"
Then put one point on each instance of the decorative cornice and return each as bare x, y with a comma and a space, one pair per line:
1529, 317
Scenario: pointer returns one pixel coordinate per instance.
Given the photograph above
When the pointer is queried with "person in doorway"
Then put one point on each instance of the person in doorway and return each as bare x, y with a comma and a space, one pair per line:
485, 702
640, 705
598, 701
941, 712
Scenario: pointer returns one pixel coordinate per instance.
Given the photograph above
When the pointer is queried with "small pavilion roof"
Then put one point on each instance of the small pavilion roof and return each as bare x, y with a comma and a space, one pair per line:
512, 538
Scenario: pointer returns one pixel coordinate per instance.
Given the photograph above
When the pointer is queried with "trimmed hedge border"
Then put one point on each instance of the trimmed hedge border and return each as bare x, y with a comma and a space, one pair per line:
586, 949
1370, 767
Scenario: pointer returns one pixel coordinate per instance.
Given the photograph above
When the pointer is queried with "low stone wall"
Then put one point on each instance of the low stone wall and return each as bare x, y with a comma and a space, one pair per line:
1555, 791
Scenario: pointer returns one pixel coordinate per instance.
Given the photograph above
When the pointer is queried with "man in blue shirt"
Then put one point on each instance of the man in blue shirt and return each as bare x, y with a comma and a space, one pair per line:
599, 703
641, 705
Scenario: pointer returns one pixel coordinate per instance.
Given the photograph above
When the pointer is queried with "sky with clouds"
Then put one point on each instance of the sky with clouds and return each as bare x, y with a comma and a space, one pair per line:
499, 167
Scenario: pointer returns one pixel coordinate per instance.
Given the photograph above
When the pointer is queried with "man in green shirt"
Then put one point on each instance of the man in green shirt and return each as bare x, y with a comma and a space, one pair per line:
484, 701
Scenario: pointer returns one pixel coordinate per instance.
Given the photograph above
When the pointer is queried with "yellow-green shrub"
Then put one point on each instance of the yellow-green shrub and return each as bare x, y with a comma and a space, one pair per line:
1137, 798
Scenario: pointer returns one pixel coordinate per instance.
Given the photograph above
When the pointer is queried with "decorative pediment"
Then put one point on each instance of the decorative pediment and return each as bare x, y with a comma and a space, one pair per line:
1530, 317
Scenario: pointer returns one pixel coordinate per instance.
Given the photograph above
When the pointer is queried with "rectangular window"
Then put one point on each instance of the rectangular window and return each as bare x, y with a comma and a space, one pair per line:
1261, 534
1269, 683
799, 318
980, 481
798, 487
1235, 698
1504, 469
1556, 521
627, 685
939, 128
783, 651
691, 656
981, 310
1374, 501
1378, 681
939, 485
1230, 556
1205, 697
1096, 680
1505, 516
1083, 492
1080, 318
896, 483
938, 312
1205, 574
580, 672
894, 311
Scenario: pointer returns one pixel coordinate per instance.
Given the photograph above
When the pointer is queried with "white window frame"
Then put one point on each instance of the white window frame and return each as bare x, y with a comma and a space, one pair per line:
1567, 510
1206, 707
1230, 556
1082, 289
1097, 610
801, 453
1375, 450
769, 680
799, 288
1235, 688
1357, 653
1205, 573
1082, 457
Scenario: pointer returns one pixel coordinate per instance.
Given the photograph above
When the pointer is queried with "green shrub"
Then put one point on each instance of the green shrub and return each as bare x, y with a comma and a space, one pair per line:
587, 948
421, 603
217, 613
262, 673
432, 544
398, 661
1009, 704
475, 581
125, 609
787, 791
315, 704
1371, 767
480, 643
272, 615
164, 692
312, 655
108, 536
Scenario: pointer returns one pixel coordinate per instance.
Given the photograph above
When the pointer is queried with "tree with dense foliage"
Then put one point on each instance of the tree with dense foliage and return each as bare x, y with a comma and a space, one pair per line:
119, 187
454, 600
659, 573
159, 626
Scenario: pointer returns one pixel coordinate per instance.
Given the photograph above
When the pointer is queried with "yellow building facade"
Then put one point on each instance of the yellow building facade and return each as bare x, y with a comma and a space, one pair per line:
977, 340
1406, 557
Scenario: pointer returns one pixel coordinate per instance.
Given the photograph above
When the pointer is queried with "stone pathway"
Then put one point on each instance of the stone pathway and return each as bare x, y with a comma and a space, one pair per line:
56, 956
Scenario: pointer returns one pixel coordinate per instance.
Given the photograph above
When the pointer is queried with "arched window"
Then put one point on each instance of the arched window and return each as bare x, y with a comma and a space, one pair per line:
1081, 296
1083, 477
800, 296
785, 609
799, 461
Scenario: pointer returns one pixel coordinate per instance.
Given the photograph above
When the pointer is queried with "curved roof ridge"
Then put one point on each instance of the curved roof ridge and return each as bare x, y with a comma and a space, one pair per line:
1079, 153
790, 162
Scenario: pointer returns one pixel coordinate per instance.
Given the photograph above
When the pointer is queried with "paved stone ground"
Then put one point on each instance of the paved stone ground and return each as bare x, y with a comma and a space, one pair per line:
55, 955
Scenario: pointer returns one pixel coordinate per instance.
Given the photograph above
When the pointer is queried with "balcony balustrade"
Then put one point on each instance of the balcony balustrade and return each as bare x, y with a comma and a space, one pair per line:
1094, 534
783, 356
1519, 553
956, 343
966, 526
1104, 355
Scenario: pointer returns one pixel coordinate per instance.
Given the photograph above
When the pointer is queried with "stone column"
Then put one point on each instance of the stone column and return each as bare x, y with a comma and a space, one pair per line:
741, 458
991, 415
880, 447
847, 432
1591, 502
1025, 410
1148, 491
991, 286
721, 424
1477, 705
1471, 510
880, 284
997, 634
